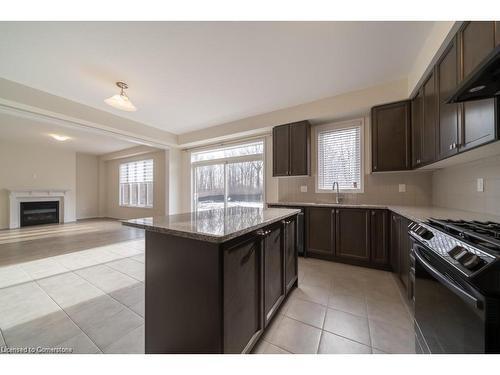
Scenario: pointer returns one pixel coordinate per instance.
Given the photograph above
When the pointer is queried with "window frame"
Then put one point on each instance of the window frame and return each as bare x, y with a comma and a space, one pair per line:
228, 160
131, 186
354, 123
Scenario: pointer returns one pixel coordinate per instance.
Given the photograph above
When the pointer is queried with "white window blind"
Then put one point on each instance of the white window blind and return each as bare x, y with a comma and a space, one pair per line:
339, 158
136, 183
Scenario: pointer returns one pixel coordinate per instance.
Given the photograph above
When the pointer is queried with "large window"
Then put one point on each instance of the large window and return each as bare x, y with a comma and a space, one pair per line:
340, 156
228, 176
136, 184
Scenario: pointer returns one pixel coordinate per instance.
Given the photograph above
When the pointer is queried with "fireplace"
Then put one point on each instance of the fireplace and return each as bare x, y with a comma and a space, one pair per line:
35, 213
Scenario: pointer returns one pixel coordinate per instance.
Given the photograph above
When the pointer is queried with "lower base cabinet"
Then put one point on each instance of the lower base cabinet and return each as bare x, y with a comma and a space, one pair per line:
274, 270
400, 249
352, 235
243, 293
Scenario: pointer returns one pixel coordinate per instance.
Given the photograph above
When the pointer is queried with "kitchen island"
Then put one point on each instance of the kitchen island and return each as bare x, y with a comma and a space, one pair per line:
215, 278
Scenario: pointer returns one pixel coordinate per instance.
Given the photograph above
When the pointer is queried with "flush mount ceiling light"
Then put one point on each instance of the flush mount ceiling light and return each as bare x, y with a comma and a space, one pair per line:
60, 138
121, 100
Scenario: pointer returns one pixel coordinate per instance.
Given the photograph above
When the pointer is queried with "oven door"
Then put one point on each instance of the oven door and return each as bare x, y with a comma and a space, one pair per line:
449, 313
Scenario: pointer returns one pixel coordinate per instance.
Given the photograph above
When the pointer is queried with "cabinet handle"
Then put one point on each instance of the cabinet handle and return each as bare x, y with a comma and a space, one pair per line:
263, 233
373, 213
248, 255
418, 161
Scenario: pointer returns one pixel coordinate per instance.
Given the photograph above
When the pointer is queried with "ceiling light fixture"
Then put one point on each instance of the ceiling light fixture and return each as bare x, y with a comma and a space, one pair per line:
60, 138
121, 101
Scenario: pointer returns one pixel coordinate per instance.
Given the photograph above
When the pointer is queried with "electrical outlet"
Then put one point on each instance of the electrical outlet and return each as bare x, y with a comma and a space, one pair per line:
480, 185
303, 188
402, 188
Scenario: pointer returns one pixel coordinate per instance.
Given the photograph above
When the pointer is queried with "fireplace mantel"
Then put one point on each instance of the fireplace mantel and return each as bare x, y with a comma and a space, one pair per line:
16, 196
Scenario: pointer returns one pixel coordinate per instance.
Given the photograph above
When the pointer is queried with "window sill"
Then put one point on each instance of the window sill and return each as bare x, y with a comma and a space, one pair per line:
125, 206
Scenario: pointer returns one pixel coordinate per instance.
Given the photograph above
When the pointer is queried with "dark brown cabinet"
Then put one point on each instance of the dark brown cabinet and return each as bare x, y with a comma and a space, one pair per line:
424, 123
281, 150
352, 234
242, 294
290, 245
274, 271
497, 33
400, 248
291, 149
447, 78
417, 124
477, 40
391, 137
429, 124
379, 237
320, 233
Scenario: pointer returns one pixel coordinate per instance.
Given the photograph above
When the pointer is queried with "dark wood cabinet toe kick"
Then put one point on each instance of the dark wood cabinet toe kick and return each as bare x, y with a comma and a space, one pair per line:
206, 297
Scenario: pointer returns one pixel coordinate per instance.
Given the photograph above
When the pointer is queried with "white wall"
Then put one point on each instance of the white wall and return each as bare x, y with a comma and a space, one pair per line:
87, 186
456, 187
36, 166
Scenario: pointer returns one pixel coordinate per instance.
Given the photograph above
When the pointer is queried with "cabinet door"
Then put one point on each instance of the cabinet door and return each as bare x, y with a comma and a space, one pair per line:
352, 234
478, 117
243, 319
497, 33
320, 231
379, 233
447, 71
417, 122
429, 126
299, 148
391, 137
274, 271
290, 226
281, 151
395, 242
404, 246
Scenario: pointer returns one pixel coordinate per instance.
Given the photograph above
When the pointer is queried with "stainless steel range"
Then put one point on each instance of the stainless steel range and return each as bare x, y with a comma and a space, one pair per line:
455, 268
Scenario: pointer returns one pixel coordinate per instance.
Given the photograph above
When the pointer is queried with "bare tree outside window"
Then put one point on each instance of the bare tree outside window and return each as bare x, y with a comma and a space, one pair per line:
229, 177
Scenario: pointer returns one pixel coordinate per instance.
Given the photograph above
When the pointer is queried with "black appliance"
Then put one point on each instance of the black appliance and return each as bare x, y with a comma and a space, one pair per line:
36, 213
482, 83
455, 271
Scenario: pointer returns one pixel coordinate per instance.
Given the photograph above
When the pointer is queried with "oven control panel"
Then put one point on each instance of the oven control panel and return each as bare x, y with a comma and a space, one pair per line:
464, 257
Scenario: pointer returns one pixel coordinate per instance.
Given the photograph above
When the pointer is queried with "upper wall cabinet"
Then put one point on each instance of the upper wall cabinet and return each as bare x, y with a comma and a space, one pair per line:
447, 77
417, 124
497, 33
291, 149
391, 137
476, 40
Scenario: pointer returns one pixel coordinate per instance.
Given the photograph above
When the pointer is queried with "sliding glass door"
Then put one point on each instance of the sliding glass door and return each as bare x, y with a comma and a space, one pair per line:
234, 176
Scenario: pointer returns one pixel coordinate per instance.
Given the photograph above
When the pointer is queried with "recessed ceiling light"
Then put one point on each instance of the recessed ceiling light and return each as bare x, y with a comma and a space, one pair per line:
60, 138
121, 100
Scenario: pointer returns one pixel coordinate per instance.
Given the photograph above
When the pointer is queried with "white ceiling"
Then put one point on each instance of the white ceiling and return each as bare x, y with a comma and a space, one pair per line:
23, 130
185, 76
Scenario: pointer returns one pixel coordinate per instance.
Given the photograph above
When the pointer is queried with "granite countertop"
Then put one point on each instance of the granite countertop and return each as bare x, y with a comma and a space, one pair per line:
217, 225
415, 213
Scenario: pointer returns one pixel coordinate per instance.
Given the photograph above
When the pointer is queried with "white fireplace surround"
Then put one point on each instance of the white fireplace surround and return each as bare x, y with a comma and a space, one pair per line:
16, 196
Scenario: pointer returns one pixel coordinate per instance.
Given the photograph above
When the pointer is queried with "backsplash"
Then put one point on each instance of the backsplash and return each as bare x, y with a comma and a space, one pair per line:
456, 187
378, 189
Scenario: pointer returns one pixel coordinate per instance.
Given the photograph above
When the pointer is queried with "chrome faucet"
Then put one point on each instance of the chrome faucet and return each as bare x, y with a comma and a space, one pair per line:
337, 198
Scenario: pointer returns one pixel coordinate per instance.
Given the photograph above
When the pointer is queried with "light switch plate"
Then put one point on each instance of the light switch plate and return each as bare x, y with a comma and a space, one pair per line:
303, 188
480, 185
402, 188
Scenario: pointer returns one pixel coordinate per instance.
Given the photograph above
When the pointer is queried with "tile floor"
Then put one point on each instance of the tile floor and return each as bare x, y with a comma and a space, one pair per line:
92, 299
339, 308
